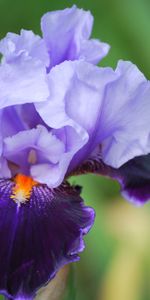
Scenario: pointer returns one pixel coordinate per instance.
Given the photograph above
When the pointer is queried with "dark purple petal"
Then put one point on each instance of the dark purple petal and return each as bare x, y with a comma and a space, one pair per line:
39, 236
133, 176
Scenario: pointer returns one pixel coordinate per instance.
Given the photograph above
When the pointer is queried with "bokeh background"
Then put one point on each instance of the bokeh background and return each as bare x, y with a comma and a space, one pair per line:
116, 262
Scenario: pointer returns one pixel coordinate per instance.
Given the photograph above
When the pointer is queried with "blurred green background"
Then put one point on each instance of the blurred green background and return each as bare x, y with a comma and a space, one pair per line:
116, 262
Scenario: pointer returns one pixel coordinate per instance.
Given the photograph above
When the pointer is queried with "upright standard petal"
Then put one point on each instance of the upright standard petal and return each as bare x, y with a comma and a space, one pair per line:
77, 99
66, 33
4, 169
111, 106
93, 51
11, 122
27, 43
40, 230
126, 116
22, 81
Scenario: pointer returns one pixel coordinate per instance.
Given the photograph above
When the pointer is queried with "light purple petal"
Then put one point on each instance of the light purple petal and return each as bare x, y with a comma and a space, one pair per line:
22, 81
18, 118
112, 107
29, 115
93, 51
53, 174
27, 43
4, 169
11, 121
77, 100
42, 154
39, 138
126, 116
66, 32
1, 137
19, 148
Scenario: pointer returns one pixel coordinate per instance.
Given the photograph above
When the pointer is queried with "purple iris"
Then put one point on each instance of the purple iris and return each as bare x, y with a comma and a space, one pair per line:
62, 115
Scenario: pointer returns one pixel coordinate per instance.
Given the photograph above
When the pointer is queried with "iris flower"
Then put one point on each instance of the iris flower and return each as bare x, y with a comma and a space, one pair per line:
62, 115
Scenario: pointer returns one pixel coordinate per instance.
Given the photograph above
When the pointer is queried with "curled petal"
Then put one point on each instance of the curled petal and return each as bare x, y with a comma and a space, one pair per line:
133, 176
66, 33
93, 51
39, 236
27, 43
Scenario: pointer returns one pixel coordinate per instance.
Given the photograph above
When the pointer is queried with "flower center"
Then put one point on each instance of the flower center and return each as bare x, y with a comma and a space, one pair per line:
23, 187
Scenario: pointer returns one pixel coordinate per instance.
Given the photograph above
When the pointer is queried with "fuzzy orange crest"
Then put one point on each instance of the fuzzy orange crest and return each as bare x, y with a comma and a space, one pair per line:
23, 188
